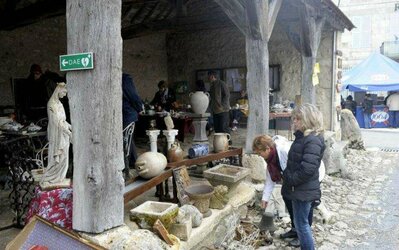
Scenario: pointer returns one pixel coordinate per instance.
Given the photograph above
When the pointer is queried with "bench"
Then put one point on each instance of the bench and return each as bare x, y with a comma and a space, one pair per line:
138, 186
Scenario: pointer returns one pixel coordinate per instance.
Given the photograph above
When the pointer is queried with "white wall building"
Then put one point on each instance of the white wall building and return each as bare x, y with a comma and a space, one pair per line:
376, 21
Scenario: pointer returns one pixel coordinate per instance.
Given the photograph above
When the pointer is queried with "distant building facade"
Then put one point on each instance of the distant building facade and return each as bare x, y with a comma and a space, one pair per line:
377, 29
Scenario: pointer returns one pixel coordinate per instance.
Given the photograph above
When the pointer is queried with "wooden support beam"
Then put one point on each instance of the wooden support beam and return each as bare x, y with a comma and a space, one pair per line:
255, 26
274, 8
96, 114
258, 74
311, 29
236, 12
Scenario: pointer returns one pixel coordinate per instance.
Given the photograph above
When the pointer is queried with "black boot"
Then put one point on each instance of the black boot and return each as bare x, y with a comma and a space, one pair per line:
294, 243
289, 234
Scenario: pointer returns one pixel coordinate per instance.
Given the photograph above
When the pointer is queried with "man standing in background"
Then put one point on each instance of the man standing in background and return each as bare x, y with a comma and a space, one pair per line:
393, 105
220, 103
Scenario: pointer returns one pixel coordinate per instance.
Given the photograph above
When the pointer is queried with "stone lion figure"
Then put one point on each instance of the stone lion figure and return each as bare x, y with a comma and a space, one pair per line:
219, 199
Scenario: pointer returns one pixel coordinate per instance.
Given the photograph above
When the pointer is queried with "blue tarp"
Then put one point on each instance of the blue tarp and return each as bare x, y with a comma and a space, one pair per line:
376, 73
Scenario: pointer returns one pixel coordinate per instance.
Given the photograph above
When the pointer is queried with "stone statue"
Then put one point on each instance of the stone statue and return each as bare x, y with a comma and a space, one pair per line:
350, 130
59, 136
219, 198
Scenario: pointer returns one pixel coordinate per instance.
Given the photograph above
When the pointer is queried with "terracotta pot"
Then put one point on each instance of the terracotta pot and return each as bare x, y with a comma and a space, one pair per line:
221, 142
199, 102
150, 164
175, 153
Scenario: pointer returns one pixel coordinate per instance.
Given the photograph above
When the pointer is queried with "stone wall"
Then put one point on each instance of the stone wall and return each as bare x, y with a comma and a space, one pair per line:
144, 58
225, 48
173, 57
39, 43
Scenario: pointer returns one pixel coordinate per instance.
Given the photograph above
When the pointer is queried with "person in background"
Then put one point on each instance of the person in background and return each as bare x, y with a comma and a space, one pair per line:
350, 104
165, 98
239, 110
393, 105
301, 177
132, 105
367, 110
32, 96
220, 103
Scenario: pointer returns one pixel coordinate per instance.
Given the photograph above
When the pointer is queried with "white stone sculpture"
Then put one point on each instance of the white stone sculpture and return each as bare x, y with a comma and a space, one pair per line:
59, 133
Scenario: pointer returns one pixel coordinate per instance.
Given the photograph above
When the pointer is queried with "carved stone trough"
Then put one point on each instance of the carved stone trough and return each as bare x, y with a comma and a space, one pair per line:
228, 175
147, 213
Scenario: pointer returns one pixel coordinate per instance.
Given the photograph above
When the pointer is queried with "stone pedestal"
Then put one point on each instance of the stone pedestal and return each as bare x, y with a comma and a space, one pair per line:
153, 135
170, 136
199, 122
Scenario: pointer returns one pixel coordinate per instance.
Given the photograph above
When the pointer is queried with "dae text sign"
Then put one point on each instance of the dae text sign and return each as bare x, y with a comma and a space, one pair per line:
79, 61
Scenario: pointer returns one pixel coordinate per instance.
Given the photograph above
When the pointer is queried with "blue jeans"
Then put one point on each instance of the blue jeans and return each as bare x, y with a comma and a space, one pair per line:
367, 120
395, 119
304, 231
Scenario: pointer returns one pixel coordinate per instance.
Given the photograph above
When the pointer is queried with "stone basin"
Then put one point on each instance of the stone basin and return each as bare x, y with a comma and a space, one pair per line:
224, 174
147, 213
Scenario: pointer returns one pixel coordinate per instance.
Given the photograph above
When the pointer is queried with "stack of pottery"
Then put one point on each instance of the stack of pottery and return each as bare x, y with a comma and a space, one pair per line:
199, 102
150, 164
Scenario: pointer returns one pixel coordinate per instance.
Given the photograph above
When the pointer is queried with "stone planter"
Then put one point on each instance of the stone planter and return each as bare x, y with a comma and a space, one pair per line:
147, 213
200, 194
227, 175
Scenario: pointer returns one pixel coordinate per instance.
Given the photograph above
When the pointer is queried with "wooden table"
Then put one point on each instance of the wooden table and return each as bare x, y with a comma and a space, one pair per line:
282, 116
140, 185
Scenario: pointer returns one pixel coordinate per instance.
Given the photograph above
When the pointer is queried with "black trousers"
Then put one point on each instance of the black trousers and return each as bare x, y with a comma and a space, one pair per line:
221, 122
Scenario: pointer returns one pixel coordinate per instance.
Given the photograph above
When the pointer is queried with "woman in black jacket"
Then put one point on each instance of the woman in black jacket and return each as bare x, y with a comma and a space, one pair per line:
301, 177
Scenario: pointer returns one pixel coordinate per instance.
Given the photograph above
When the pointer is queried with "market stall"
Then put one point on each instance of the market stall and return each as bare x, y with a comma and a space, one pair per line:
375, 73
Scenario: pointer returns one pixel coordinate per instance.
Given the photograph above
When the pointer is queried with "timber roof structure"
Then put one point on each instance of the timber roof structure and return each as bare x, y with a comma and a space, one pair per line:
142, 17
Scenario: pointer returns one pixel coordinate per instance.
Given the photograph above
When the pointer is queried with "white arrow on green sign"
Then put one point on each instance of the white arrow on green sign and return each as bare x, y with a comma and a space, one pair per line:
79, 61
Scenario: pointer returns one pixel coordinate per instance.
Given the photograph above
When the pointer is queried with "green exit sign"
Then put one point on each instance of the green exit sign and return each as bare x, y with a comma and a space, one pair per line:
79, 61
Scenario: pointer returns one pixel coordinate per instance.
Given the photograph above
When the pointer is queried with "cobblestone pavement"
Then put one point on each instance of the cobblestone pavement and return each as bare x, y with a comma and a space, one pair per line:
364, 207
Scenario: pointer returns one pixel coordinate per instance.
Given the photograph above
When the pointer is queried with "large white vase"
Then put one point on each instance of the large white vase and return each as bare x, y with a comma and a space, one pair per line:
199, 102
150, 164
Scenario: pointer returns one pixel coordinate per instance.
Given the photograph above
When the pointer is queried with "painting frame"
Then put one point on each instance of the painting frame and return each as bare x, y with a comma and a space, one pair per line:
202, 74
235, 78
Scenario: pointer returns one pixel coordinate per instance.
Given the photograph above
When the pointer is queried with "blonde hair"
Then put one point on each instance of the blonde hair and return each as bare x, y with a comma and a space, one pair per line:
311, 118
262, 142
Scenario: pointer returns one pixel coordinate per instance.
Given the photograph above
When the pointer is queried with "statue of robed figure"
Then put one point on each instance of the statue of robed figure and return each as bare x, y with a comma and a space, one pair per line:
59, 133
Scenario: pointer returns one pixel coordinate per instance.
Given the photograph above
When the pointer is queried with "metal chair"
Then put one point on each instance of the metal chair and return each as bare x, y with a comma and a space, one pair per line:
127, 141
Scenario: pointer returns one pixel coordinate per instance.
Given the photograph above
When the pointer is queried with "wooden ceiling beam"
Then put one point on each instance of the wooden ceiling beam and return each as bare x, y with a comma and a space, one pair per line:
274, 9
32, 13
236, 12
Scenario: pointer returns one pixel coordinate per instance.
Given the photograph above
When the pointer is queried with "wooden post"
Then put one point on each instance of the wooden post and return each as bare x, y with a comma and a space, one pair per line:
311, 27
256, 27
95, 99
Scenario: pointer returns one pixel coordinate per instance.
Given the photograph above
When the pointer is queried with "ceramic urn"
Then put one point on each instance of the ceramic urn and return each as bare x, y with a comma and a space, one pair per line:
199, 102
150, 164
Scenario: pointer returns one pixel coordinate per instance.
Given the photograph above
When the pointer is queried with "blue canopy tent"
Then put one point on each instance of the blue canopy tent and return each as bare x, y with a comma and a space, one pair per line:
376, 73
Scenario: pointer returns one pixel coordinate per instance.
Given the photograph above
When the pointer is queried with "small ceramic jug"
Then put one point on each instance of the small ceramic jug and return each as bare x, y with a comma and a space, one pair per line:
221, 142
175, 153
